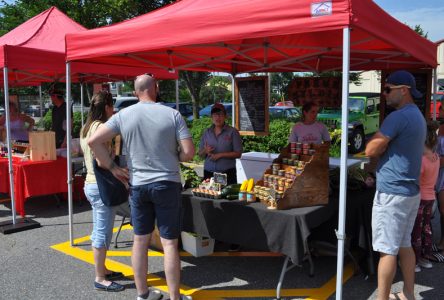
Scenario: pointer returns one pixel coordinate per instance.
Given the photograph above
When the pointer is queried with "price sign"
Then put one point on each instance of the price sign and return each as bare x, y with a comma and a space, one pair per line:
220, 178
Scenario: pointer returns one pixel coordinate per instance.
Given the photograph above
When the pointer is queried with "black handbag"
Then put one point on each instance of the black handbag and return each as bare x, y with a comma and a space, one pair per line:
112, 191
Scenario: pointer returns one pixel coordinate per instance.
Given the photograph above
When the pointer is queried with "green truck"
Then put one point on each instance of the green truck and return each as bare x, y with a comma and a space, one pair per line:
363, 118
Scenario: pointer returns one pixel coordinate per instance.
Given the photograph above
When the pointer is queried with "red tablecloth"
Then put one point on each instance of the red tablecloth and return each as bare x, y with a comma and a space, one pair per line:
33, 178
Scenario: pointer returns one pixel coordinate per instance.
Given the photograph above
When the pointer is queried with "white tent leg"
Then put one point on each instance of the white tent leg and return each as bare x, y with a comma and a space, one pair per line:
68, 150
41, 101
435, 79
9, 144
81, 102
340, 233
177, 95
232, 101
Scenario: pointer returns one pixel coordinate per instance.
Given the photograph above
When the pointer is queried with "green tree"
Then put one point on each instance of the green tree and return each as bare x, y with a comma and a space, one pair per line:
279, 85
194, 81
90, 14
216, 90
420, 31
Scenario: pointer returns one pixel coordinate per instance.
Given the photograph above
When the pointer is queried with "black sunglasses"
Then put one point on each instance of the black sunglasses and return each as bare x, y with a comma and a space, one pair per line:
388, 89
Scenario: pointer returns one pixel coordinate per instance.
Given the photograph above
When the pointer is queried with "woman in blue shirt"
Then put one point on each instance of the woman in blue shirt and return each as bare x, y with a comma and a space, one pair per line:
220, 145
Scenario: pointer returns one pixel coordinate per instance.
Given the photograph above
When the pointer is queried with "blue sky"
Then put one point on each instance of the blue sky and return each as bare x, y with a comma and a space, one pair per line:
429, 14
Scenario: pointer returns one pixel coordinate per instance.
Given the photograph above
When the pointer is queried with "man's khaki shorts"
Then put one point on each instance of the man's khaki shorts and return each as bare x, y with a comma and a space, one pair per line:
393, 218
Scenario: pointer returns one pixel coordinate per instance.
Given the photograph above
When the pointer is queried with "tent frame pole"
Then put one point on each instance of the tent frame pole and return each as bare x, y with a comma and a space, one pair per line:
434, 83
9, 144
68, 150
81, 104
177, 95
340, 233
41, 101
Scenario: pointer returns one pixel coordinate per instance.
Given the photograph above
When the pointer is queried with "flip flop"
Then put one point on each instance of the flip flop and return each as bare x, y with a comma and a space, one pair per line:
395, 296
435, 248
437, 257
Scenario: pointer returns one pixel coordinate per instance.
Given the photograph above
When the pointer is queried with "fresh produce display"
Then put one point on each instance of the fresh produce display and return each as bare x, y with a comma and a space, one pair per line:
208, 189
246, 191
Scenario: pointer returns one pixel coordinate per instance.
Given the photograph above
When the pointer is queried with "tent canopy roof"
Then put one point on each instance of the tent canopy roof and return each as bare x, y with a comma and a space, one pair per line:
239, 36
35, 52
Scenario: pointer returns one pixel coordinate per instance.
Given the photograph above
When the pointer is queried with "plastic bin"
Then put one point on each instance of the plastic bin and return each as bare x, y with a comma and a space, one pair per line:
197, 245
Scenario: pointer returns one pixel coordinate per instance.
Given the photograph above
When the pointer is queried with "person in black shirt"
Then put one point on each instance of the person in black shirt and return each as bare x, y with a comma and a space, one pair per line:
59, 118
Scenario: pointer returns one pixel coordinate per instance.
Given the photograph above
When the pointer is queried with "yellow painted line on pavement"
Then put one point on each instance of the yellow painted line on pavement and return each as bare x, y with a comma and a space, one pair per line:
87, 256
320, 293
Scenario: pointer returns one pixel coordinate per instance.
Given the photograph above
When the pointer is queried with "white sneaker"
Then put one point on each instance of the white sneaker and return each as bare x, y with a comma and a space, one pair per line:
425, 263
417, 269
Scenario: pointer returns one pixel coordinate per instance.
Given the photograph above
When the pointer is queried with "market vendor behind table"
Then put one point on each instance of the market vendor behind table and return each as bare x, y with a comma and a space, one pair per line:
309, 130
20, 124
220, 145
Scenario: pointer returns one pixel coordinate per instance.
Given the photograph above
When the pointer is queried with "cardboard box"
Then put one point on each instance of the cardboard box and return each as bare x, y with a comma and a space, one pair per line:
42, 145
197, 245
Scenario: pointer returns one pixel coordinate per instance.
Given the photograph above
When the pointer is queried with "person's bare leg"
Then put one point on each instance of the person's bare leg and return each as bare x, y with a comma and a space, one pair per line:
386, 273
407, 261
172, 267
441, 213
139, 260
99, 265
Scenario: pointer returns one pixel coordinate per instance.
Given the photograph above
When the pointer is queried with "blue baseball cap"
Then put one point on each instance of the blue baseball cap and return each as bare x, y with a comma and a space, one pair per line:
404, 78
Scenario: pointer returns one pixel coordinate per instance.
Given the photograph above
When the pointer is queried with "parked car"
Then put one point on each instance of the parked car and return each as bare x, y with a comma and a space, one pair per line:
206, 111
122, 102
363, 118
284, 112
185, 109
285, 103
34, 111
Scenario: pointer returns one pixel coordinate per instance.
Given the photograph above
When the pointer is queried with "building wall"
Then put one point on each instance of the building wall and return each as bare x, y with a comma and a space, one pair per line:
370, 82
441, 60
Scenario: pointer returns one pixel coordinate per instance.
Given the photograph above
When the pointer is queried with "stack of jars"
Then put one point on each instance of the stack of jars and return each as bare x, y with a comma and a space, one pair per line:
280, 182
298, 148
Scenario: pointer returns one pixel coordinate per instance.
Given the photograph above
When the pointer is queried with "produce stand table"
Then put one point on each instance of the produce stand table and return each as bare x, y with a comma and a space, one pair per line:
33, 178
255, 226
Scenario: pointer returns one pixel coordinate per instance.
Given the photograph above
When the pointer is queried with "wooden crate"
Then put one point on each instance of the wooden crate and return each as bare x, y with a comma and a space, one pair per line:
311, 187
42, 145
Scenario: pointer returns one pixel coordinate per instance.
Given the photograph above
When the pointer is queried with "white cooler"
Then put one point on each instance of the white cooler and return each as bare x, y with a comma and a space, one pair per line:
253, 165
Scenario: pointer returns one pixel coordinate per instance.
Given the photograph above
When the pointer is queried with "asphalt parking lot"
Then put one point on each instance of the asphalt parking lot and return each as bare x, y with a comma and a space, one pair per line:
40, 264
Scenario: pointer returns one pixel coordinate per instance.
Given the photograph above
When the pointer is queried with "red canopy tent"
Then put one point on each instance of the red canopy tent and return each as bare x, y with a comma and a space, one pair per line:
237, 36
256, 35
35, 52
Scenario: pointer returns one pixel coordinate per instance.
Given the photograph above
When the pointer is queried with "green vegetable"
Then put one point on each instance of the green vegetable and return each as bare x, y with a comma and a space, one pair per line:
232, 197
232, 189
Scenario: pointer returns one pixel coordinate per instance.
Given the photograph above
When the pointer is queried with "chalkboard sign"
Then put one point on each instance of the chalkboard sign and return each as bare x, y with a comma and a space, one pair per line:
252, 105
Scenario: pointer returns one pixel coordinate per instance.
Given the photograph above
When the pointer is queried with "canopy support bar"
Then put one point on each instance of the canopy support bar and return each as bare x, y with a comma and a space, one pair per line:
68, 150
343, 170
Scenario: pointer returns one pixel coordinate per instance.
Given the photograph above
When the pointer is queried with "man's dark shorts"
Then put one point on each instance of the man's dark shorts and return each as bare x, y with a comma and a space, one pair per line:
158, 200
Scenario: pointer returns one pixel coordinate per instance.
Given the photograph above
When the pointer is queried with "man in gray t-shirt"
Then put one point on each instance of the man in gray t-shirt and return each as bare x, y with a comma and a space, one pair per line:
156, 139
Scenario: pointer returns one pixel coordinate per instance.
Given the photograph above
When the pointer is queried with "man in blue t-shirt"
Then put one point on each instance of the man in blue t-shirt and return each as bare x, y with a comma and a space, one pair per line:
399, 145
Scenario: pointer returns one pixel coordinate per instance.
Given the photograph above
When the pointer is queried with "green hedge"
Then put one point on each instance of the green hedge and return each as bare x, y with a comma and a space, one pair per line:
77, 122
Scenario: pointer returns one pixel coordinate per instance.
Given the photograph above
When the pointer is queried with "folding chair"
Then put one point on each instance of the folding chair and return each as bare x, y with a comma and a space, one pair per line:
124, 211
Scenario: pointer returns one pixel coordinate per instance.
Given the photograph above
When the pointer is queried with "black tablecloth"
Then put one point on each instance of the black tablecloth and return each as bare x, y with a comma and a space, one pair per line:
253, 225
